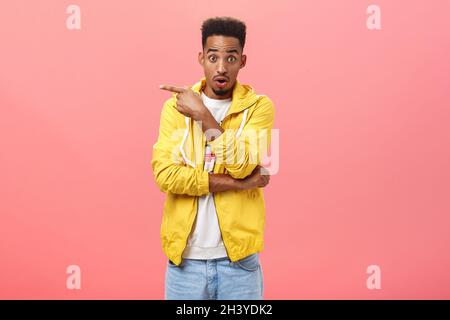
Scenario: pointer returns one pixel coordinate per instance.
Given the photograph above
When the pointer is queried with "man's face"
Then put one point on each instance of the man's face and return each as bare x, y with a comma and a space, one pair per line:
221, 59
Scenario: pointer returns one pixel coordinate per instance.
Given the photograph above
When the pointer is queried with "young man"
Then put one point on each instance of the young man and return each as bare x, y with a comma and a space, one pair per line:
212, 139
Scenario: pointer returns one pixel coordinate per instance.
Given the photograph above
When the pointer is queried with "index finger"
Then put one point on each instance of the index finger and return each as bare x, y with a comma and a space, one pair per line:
171, 88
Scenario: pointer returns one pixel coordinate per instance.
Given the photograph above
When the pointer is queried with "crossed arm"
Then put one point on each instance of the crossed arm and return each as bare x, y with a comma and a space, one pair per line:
222, 182
185, 180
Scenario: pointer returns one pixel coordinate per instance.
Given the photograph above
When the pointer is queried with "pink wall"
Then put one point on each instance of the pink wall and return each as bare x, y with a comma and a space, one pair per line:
364, 144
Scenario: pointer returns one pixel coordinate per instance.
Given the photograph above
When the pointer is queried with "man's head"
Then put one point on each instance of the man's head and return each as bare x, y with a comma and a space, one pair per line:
223, 40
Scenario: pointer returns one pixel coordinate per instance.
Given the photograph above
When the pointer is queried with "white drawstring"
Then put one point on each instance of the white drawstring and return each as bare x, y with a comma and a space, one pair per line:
241, 127
186, 132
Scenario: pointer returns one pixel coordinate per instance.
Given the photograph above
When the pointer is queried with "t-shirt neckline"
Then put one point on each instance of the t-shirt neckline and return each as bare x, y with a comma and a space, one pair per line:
216, 100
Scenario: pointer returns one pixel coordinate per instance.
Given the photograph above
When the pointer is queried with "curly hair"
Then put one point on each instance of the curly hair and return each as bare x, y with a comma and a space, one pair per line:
224, 26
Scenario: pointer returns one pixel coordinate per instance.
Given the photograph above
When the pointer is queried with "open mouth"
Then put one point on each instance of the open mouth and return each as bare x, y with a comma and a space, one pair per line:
221, 82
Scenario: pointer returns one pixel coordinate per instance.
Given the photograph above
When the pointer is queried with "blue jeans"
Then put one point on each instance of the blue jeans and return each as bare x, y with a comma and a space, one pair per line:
215, 279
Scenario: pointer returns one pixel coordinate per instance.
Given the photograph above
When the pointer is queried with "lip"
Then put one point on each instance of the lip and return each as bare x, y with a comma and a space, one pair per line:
221, 84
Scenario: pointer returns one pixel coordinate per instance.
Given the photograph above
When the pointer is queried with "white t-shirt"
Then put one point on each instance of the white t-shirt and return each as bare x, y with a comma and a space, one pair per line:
205, 240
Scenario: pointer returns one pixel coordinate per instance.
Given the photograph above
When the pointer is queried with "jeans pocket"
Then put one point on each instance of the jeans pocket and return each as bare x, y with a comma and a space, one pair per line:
250, 263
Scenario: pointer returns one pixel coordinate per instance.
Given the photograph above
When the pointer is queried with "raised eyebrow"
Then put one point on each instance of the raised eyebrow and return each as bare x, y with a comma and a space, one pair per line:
228, 51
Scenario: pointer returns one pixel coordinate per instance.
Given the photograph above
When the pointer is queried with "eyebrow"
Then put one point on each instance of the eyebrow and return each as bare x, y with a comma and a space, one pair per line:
228, 51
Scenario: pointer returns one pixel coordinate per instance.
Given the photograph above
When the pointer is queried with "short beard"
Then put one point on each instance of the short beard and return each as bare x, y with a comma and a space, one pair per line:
221, 93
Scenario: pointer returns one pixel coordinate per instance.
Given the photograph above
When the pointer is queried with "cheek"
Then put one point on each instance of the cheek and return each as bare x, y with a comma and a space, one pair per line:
208, 72
234, 72
208, 66
235, 68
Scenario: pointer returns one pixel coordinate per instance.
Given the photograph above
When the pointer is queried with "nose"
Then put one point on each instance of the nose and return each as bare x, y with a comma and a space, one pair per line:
221, 70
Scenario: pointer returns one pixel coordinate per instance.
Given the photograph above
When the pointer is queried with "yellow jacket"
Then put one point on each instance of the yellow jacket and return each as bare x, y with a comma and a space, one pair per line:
177, 165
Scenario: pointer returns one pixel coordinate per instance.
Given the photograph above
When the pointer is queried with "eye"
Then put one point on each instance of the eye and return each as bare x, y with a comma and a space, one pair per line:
212, 58
231, 59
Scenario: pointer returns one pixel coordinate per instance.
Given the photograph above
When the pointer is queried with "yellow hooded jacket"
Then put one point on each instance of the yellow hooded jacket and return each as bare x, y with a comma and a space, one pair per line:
177, 165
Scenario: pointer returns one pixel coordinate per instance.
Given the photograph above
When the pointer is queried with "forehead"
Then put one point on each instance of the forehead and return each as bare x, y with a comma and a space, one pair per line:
222, 43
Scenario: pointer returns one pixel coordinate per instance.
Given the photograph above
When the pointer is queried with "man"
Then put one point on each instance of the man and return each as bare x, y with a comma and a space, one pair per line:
213, 137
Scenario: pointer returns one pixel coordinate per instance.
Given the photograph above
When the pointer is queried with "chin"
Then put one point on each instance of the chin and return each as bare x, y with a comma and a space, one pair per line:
221, 92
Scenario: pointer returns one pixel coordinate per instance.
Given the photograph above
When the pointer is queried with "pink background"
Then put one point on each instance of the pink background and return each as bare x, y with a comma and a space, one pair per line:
364, 144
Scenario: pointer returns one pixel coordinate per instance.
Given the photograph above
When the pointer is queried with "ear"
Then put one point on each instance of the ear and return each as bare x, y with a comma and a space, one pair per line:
200, 58
243, 61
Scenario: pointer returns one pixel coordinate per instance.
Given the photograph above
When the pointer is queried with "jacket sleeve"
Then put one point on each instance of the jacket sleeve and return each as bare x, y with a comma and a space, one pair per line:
170, 173
240, 155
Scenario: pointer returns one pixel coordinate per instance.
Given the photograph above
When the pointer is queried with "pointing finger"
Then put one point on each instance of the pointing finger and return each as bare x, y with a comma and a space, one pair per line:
172, 88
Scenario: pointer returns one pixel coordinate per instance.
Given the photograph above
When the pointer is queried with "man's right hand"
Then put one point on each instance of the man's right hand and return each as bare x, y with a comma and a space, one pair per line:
259, 178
